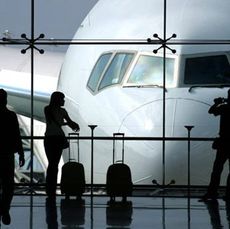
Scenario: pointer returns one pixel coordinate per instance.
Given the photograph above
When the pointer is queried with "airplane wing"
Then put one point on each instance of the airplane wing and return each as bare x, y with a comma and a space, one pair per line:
15, 78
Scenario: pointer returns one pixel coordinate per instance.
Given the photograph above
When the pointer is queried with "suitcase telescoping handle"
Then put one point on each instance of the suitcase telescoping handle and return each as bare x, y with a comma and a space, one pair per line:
116, 135
78, 146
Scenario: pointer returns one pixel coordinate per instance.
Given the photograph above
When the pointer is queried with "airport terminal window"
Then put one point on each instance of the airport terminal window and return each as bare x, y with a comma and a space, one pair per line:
207, 70
149, 71
98, 70
116, 70
112, 67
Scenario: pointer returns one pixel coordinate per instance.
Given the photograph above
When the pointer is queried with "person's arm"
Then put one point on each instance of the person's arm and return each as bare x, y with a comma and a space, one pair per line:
216, 108
21, 159
73, 125
19, 143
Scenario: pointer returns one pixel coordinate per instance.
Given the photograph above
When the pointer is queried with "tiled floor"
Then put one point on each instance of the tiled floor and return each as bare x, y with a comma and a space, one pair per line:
141, 212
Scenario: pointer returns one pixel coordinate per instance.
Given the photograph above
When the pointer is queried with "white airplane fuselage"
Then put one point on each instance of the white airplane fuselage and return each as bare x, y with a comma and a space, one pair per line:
119, 87
137, 110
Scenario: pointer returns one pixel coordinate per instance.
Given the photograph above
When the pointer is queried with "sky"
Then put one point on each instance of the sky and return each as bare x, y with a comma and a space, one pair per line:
55, 18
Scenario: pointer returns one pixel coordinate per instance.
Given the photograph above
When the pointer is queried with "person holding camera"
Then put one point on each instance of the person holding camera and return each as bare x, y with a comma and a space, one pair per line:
55, 140
221, 107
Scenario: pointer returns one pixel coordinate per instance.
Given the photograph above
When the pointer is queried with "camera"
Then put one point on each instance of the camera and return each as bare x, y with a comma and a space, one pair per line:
220, 100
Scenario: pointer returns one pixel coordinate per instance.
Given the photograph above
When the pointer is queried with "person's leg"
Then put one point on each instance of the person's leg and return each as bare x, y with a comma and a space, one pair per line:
227, 192
7, 188
1, 175
218, 166
53, 153
52, 172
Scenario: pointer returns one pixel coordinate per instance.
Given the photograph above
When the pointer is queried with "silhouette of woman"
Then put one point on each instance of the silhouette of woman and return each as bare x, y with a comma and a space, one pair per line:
54, 142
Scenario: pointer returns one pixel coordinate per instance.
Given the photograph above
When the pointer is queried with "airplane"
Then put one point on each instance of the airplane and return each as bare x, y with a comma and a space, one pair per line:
119, 87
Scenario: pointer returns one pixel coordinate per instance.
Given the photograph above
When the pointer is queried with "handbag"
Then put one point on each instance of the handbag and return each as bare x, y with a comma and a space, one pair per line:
64, 142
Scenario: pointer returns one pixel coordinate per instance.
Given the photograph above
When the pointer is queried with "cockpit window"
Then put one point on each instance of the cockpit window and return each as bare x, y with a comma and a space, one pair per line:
149, 71
98, 70
116, 69
207, 70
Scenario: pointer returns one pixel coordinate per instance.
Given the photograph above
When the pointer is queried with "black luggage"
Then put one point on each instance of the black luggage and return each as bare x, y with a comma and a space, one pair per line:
73, 175
119, 179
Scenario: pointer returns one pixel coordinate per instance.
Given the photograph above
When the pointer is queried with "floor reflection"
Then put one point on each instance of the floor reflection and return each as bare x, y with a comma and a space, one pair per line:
227, 205
119, 214
51, 214
72, 213
214, 213
37, 212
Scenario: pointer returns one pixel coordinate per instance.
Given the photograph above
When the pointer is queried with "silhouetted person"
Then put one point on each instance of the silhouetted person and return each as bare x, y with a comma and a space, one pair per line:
10, 143
221, 107
54, 141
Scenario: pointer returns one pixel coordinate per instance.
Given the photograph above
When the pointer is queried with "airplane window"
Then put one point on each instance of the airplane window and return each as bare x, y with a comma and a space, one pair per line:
98, 70
207, 70
149, 71
116, 70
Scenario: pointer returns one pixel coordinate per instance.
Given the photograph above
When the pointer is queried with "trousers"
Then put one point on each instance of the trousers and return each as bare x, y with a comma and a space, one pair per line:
221, 157
53, 152
6, 181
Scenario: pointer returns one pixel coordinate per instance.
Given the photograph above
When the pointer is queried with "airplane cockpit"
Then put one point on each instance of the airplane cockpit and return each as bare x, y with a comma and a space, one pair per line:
130, 69
145, 69
206, 70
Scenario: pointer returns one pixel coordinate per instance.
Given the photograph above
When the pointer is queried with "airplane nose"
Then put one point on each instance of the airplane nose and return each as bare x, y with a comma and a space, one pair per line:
146, 121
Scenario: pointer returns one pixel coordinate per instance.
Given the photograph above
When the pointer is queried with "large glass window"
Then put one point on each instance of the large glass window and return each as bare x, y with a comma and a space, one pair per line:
129, 53
207, 70
116, 70
149, 71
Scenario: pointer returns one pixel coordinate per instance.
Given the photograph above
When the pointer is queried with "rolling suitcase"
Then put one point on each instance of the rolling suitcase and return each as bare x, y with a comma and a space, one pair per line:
73, 175
119, 179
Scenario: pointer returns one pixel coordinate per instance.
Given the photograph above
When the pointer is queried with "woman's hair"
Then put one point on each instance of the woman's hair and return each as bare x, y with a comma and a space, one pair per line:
56, 97
3, 97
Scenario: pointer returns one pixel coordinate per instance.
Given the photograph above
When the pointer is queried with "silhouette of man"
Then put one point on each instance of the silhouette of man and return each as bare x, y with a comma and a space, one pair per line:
56, 117
220, 107
10, 143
